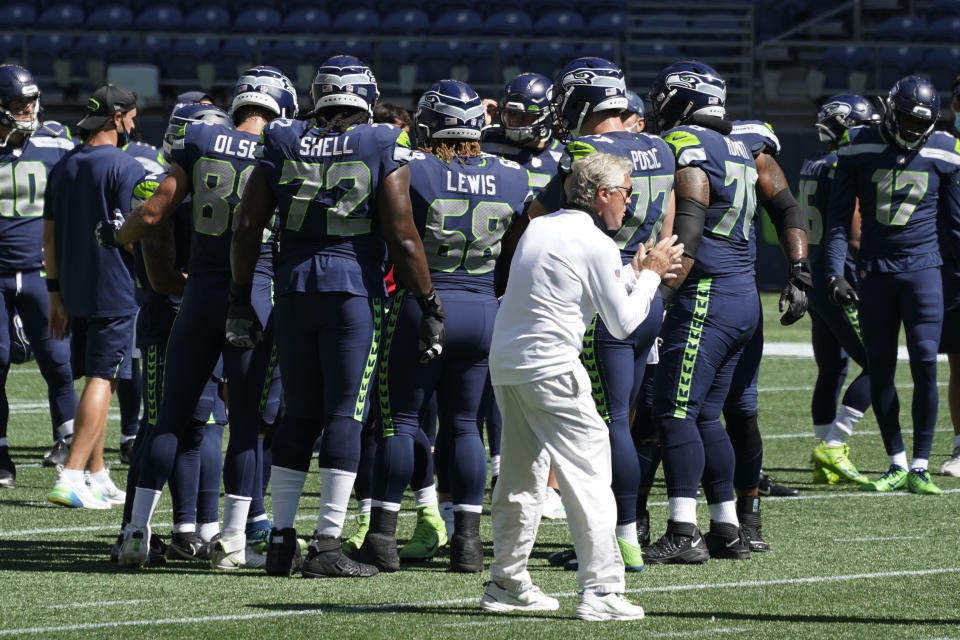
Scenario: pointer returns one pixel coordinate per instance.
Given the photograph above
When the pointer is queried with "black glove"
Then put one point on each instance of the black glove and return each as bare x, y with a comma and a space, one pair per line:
243, 327
793, 298
107, 230
432, 334
840, 291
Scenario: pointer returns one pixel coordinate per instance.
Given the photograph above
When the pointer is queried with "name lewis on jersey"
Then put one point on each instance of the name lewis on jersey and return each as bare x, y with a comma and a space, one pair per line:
311, 147
483, 185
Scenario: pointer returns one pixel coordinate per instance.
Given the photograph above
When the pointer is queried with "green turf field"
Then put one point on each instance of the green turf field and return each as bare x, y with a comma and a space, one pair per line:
844, 564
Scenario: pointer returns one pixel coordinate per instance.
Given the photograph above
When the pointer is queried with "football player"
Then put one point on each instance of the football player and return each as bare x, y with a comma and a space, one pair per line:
342, 188
464, 201
632, 117
950, 337
212, 163
835, 329
29, 148
897, 170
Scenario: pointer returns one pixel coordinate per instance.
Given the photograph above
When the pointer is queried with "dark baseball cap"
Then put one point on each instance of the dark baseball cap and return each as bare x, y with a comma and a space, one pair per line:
106, 101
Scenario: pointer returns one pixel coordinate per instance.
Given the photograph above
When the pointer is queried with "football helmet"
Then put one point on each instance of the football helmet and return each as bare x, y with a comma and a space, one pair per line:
841, 112
685, 89
17, 84
525, 109
584, 86
449, 110
910, 111
344, 81
634, 103
186, 113
265, 87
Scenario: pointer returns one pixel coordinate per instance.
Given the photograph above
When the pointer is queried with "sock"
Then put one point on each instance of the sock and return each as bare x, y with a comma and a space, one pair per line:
65, 431
364, 506
820, 431
335, 488
724, 512
74, 476
286, 485
235, 510
683, 510
185, 527
144, 503
495, 465
386, 506
101, 477
253, 521
920, 463
469, 508
426, 497
3, 441
208, 530
843, 425
628, 532
899, 459
446, 512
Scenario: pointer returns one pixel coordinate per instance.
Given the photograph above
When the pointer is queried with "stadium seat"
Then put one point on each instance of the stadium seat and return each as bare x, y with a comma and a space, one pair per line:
11, 46
608, 23
511, 22
458, 22
559, 23
399, 63
606, 50
663, 23
207, 19
901, 29
262, 20
111, 17
943, 67
161, 17
482, 62
61, 16
897, 63
838, 63
235, 56
352, 47
358, 20
44, 50
548, 57
184, 55
17, 16
406, 21
439, 58
152, 49
943, 10
289, 55
305, 20
945, 30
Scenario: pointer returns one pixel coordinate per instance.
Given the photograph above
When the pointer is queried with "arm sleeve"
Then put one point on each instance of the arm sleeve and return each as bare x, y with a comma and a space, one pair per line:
843, 197
621, 312
950, 217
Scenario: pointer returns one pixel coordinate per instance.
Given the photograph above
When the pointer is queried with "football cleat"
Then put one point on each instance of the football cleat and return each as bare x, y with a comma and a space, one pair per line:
632, 555
725, 541
187, 545
8, 471
78, 495
643, 528
918, 481
770, 487
466, 547
598, 607
751, 525
560, 558
824, 476
428, 536
895, 478
234, 553
526, 597
284, 556
351, 544
325, 559
952, 466
379, 550
681, 544
57, 456
836, 460
135, 548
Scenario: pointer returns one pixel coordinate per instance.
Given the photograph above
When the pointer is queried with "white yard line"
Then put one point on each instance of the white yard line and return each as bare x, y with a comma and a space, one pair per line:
879, 539
105, 603
805, 350
266, 615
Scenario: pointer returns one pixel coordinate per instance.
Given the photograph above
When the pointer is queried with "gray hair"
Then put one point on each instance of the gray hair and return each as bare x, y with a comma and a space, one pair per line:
590, 173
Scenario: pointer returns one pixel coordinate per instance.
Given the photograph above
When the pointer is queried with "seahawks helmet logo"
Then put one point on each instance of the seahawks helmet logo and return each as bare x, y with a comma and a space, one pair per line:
592, 78
705, 84
831, 109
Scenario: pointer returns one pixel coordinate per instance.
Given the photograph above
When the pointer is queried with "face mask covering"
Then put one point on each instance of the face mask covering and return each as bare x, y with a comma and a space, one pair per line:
123, 137
956, 122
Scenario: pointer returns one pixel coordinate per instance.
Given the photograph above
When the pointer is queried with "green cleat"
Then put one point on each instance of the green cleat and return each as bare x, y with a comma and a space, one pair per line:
836, 459
353, 543
429, 535
632, 555
824, 476
895, 478
918, 481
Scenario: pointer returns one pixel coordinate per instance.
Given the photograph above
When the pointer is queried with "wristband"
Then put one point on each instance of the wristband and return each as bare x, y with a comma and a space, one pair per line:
53, 285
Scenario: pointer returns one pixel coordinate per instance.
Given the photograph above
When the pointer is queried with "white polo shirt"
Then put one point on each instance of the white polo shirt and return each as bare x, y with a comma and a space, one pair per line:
565, 269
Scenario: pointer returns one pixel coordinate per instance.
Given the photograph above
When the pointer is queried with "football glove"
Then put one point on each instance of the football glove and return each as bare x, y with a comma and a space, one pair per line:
432, 334
793, 298
243, 327
107, 230
840, 291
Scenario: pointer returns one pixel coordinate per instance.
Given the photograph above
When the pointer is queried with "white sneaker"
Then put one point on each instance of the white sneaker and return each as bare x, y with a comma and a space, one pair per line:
528, 597
135, 548
952, 466
76, 494
110, 492
608, 606
234, 553
553, 507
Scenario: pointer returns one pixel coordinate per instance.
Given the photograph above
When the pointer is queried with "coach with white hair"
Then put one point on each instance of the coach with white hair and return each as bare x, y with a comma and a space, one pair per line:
565, 269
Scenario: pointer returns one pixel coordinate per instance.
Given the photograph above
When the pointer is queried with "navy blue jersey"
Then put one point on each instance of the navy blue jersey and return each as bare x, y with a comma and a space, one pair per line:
541, 164
899, 193
757, 135
147, 155
462, 211
651, 178
181, 219
219, 160
85, 187
726, 249
269, 246
325, 187
816, 176
950, 222
23, 179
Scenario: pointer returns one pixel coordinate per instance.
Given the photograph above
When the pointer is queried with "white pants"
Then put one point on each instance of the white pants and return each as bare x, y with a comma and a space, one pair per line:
555, 421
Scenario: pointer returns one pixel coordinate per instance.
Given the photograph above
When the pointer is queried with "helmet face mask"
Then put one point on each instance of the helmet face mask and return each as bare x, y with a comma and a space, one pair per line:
912, 109
344, 81
449, 110
268, 88
685, 89
525, 109
585, 86
19, 100
841, 112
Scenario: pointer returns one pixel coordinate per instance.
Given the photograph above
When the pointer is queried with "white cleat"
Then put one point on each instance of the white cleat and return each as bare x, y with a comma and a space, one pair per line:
527, 597
598, 607
234, 553
135, 548
952, 466
553, 507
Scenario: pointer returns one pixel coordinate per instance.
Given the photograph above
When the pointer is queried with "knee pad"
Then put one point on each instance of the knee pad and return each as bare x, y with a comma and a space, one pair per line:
744, 433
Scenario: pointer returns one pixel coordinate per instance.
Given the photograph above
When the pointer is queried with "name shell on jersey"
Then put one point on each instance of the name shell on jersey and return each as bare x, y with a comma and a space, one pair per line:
651, 179
325, 188
899, 193
541, 164
463, 210
23, 179
726, 249
219, 160
147, 155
